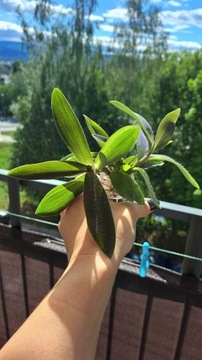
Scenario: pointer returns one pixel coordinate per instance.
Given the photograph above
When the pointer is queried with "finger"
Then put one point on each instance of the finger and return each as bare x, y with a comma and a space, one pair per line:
136, 211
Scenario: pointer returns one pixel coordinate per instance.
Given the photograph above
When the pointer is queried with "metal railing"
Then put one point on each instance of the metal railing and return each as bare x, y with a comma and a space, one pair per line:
159, 316
193, 216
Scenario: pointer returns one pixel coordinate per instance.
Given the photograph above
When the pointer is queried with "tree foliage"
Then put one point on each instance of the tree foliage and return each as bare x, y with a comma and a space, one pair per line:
135, 69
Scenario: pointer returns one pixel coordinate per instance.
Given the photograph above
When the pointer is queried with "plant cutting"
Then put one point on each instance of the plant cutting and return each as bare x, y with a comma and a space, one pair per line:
111, 173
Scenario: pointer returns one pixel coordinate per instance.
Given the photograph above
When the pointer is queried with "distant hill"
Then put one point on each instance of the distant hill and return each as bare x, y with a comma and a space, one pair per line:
11, 51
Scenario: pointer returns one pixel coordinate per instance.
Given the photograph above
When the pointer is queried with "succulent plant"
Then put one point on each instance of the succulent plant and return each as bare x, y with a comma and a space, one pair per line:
106, 174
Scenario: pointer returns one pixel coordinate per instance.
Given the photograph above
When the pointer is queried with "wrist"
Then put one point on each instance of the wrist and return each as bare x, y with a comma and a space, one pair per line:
95, 261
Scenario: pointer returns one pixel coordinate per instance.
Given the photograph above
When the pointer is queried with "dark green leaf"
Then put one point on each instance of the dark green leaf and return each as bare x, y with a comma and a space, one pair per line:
58, 198
138, 118
98, 213
127, 187
148, 184
69, 128
166, 129
118, 145
186, 174
47, 170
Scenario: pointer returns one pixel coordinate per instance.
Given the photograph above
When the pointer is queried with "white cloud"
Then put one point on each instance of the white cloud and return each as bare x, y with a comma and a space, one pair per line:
116, 14
11, 5
60, 9
28, 6
182, 19
106, 27
10, 31
175, 45
6, 25
96, 18
174, 3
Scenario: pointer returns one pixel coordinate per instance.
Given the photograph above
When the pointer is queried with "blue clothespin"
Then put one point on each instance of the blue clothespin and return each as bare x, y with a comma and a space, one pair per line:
144, 265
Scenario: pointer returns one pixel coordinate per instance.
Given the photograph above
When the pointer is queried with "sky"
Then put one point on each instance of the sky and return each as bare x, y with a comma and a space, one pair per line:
181, 18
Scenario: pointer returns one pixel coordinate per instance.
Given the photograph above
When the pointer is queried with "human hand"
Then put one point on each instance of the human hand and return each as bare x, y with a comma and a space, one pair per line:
78, 239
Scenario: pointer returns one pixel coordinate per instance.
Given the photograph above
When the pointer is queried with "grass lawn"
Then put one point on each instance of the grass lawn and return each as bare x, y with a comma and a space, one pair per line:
5, 155
27, 201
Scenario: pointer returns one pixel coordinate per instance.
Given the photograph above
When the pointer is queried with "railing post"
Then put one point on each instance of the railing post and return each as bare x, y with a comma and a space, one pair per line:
193, 248
14, 201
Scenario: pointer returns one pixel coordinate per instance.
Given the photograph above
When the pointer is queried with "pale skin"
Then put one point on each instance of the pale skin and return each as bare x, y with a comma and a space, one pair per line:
66, 324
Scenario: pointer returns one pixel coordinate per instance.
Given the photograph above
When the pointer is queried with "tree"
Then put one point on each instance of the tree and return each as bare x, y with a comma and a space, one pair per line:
70, 59
179, 86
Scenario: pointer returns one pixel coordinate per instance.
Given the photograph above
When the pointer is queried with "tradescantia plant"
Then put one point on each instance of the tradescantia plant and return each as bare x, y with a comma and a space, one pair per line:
109, 173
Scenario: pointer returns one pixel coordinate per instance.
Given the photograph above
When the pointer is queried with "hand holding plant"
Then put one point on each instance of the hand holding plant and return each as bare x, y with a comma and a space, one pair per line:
106, 174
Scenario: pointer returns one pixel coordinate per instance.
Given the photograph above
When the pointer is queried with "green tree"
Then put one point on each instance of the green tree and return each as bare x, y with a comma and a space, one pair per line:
177, 88
70, 59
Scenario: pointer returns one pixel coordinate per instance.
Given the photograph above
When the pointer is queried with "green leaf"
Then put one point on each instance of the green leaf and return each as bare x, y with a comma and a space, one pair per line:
58, 198
166, 129
98, 214
94, 128
150, 163
131, 160
96, 131
69, 157
101, 140
69, 128
186, 174
47, 170
148, 184
138, 118
125, 167
127, 187
118, 145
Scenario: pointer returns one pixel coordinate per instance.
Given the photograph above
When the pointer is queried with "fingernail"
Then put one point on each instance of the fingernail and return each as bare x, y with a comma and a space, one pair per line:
152, 205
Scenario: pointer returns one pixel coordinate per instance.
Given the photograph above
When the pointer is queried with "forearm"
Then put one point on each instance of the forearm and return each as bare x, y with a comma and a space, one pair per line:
71, 315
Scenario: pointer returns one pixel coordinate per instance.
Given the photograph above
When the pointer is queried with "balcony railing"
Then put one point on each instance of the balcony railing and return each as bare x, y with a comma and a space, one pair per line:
159, 317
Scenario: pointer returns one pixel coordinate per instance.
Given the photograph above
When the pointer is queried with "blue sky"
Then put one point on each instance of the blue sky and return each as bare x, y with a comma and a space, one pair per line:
181, 18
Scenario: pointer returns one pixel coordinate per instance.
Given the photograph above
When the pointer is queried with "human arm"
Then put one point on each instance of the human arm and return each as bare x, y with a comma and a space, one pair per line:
67, 322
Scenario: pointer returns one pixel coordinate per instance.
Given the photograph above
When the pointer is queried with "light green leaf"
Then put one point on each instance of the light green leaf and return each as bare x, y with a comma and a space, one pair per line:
139, 119
131, 160
98, 214
148, 184
96, 131
166, 129
127, 187
186, 174
101, 140
69, 157
118, 145
47, 170
94, 128
58, 198
125, 167
152, 163
69, 128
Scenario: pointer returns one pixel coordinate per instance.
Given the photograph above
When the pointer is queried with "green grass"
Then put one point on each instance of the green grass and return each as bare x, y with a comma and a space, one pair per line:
9, 133
5, 163
28, 203
5, 155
